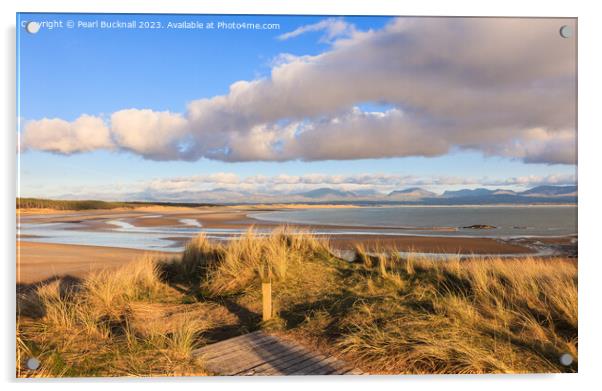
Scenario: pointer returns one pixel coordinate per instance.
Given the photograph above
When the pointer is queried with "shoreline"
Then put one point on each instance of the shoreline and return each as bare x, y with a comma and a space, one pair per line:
241, 218
39, 259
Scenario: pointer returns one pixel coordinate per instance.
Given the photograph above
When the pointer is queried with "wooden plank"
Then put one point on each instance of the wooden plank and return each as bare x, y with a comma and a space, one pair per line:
247, 359
230, 342
286, 359
235, 349
258, 357
333, 366
295, 367
279, 359
238, 351
313, 359
235, 339
337, 367
225, 345
260, 354
228, 350
316, 368
252, 359
250, 346
283, 368
278, 362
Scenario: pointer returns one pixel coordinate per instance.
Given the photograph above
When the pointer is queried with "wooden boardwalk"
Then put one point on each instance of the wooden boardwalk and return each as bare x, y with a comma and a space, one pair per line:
260, 354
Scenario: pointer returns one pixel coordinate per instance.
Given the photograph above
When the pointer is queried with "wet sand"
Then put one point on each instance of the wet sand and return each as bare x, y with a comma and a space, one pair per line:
423, 244
426, 244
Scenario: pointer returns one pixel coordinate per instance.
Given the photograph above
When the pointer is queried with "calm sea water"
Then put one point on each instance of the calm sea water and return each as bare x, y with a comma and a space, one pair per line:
509, 220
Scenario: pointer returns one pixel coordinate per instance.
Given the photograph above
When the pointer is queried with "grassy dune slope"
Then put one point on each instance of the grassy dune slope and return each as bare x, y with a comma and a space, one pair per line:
384, 313
94, 327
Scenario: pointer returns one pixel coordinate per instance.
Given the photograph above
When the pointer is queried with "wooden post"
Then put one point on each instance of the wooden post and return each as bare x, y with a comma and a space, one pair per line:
266, 290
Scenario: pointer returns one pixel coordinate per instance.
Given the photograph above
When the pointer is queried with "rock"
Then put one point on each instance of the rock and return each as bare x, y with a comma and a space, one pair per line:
480, 226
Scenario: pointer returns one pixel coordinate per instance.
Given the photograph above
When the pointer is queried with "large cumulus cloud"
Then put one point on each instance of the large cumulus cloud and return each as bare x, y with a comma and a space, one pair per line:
505, 87
86, 133
157, 135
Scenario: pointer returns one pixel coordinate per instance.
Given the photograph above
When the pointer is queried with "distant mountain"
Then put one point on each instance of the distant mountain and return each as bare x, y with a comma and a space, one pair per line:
366, 193
409, 196
411, 193
504, 192
551, 191
326, 192
540, 194
214, 196
468, 193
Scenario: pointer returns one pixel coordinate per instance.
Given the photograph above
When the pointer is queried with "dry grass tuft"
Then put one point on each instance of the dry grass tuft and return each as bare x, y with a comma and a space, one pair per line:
249, 259
478, 316
91, 329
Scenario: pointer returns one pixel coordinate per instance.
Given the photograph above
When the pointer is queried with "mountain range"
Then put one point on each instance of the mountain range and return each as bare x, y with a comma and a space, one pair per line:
408, 196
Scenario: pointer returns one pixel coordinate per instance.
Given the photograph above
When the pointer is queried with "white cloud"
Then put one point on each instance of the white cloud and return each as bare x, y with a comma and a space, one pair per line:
532, 180
153, 134
86, 133
332, 27
382, 182
504, 87
230, 187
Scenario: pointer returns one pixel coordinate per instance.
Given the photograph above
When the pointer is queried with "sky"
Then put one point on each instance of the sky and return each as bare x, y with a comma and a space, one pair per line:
284, 104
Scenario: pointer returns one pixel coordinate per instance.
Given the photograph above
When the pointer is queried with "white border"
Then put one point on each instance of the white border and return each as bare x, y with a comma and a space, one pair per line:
590, 271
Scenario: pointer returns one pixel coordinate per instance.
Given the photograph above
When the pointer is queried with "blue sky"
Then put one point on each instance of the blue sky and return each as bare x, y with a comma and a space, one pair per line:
64, 73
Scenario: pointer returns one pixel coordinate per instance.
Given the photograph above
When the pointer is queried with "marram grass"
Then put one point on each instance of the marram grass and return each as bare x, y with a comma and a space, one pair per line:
383, 313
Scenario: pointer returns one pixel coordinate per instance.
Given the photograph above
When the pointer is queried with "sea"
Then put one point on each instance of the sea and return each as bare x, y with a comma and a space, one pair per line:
506, 221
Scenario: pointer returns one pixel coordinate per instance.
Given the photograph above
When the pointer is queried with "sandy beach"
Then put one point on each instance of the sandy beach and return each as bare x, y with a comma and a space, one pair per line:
40, 261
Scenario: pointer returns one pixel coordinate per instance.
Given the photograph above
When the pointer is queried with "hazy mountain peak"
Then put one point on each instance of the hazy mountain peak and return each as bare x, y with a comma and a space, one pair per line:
468, 192
416, 192
548, 190
326, 192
